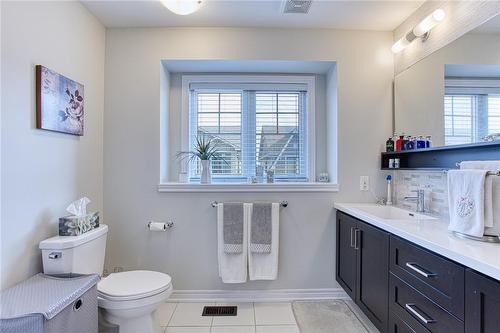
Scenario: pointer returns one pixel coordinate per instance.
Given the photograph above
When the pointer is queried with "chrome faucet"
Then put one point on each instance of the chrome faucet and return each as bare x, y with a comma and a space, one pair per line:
419, 199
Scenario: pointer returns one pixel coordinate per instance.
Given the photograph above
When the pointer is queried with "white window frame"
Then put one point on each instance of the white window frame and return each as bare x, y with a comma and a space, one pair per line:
307, 80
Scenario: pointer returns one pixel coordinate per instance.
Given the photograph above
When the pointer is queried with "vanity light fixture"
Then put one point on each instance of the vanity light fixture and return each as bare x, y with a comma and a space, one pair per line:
182, 7
421, 30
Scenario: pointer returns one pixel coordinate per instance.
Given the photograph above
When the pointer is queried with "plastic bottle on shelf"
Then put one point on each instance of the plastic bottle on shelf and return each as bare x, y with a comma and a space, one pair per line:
410, 144
421, 142
404, 144
399, 143
389, 145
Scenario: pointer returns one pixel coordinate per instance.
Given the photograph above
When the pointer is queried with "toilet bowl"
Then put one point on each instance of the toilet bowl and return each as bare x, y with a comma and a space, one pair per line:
130, 300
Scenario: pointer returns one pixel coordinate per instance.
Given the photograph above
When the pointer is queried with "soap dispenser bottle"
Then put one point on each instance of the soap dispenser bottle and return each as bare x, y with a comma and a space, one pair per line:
399, 143
389, 145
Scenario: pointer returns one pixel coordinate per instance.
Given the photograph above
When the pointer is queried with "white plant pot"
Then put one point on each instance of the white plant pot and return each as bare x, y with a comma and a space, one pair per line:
206, 172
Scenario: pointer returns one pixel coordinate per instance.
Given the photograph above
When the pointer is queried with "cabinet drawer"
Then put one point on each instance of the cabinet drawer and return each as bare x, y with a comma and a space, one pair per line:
439, 279
417, 310
398, 325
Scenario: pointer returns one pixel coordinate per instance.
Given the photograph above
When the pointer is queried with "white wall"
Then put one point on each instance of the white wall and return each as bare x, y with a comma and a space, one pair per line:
419, 90
132, 144
43, 171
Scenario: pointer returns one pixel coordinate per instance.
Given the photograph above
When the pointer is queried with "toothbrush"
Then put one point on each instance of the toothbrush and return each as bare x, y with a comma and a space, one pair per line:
389, 190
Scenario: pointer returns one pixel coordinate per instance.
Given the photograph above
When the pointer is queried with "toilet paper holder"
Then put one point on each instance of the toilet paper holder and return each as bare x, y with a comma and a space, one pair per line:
166, 225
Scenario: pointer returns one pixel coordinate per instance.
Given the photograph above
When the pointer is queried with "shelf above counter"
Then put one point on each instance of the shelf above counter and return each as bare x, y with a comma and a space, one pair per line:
442, 158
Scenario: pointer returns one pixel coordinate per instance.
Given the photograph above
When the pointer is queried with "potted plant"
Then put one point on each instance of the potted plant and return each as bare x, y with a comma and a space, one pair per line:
206, 151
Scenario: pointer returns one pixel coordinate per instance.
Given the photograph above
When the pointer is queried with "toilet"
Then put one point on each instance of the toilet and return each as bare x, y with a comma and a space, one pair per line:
126, 299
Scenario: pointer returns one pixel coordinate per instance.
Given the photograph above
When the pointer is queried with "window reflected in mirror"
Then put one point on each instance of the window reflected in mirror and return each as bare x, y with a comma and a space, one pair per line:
471, 104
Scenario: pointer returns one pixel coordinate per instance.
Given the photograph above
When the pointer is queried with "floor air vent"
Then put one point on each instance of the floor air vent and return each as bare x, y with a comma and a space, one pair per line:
220, 311
296, 6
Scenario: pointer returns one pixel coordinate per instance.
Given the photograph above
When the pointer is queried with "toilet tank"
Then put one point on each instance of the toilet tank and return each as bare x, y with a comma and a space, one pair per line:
82, 254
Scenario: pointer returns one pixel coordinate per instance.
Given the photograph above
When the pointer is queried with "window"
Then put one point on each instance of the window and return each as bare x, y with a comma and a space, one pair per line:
278, 139
471, 111
460, 119
494, 114
255, 126
219, 120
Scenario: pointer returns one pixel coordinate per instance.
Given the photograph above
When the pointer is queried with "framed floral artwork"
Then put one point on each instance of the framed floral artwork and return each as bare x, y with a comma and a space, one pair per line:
59, 102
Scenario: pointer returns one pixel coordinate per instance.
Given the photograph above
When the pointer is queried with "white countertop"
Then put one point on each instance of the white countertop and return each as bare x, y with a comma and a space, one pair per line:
434, 236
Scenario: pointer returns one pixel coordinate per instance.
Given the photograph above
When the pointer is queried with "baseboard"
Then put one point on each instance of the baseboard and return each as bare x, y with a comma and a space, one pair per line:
277, 295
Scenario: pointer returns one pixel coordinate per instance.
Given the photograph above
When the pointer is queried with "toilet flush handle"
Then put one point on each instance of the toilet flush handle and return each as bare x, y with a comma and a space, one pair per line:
55, 255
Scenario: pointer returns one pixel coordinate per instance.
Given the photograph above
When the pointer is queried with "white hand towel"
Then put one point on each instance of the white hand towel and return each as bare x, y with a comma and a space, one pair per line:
466, 201
232, 266
264, 266
492, 192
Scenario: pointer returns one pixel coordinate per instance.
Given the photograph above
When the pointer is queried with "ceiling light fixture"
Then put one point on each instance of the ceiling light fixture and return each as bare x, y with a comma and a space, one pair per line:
421, 30
182, 7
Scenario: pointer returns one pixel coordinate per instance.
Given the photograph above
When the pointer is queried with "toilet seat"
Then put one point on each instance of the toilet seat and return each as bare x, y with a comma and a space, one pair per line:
133, 285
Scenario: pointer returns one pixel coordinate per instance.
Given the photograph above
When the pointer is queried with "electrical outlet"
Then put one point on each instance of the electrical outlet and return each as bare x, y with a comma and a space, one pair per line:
364, 183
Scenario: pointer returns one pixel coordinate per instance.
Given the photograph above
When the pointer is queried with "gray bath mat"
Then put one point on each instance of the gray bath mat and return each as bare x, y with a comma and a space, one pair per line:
332, 316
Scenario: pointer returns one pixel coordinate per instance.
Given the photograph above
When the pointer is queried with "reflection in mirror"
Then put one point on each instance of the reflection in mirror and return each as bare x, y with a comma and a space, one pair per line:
471, 103
454, 93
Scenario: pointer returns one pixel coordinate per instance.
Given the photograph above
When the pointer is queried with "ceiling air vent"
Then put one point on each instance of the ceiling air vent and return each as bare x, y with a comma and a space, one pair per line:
296, 6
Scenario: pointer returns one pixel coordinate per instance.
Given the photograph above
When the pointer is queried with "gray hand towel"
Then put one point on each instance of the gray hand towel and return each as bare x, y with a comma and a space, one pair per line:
233, 227
261, 229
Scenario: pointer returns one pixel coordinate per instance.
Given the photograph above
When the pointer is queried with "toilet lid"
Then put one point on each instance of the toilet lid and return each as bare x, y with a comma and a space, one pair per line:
133, 284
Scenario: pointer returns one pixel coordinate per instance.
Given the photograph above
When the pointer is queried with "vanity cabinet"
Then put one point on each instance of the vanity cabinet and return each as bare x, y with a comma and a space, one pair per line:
482, 299
405, 288
362, 267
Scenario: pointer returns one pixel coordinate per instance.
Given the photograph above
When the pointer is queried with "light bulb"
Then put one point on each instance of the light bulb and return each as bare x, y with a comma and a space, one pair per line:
182, 7
400, 45
429, 22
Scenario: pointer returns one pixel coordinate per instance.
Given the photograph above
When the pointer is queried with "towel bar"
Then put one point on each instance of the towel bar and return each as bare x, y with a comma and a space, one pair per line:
485, 238
490, 173
283, 204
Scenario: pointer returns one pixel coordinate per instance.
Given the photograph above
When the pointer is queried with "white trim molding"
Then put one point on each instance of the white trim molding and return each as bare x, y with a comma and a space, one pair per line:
238, 187
277, 295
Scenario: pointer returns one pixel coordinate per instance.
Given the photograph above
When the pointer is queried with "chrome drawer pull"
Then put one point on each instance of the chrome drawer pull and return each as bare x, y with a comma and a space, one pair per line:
357, 232
352, 236
410, 307
420, 271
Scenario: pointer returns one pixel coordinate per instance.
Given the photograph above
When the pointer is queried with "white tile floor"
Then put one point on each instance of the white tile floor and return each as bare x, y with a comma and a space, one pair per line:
251, 318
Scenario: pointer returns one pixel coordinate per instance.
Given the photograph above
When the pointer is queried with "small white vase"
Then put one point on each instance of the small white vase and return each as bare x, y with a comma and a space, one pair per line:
206, 172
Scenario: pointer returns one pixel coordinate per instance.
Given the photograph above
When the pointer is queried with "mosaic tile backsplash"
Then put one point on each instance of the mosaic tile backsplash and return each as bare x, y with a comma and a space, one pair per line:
434, 184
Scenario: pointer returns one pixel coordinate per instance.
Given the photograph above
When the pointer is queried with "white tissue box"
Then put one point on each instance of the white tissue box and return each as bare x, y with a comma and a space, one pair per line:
72, 225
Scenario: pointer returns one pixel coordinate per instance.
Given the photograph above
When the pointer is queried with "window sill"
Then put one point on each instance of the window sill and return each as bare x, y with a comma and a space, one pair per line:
244, 187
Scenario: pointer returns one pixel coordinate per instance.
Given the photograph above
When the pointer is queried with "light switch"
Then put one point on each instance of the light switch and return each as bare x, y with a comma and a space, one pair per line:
364, 183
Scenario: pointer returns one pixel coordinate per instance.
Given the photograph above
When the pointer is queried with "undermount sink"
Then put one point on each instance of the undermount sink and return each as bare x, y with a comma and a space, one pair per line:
393, 213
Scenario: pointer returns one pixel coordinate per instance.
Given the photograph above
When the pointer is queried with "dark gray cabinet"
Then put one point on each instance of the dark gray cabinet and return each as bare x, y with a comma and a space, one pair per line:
346, 253
482, 303
419, 311
362, 267
398, 325
404, 288
435, 277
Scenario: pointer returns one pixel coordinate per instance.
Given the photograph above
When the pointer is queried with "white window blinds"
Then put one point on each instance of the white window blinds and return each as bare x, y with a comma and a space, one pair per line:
471, 110
252, 129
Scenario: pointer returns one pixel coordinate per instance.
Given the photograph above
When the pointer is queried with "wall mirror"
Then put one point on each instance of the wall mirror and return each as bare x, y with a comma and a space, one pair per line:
454, 93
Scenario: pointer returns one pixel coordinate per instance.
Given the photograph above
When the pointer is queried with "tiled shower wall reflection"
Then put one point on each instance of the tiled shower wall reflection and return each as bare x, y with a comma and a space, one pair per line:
434, 184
